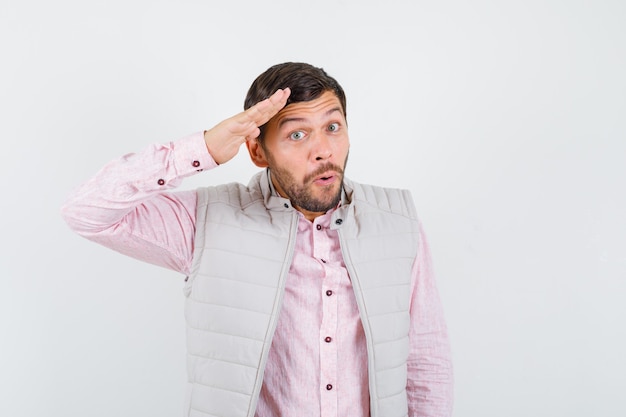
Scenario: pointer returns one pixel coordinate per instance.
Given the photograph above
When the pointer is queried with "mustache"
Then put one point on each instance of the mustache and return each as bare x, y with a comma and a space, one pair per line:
322, 169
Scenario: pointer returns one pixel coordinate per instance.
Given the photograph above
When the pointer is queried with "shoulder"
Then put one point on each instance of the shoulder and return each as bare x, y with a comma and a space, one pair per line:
231, 194
396, 201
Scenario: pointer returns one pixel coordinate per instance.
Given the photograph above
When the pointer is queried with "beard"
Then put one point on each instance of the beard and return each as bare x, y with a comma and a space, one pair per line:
301, 195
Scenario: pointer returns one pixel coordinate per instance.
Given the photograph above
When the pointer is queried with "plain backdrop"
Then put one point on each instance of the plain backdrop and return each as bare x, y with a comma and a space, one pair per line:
506, 119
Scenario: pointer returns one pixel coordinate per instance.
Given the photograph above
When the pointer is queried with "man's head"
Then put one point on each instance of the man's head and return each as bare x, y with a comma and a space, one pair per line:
305, 144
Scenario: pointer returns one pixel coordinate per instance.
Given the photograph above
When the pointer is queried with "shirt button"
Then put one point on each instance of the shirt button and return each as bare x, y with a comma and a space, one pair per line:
329, 293
328, 339
161, 181
319, 227
286, 205
338, 222
196, 164
323, 260
329, 387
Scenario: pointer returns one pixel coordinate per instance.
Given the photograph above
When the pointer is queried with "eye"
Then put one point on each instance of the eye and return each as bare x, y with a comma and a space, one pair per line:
297, 135
333, 127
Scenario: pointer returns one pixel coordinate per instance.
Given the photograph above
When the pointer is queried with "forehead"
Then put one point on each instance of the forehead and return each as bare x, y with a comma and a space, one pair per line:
309, 110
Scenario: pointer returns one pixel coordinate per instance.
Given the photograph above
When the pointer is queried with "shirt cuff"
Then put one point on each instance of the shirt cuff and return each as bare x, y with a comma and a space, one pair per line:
191, 155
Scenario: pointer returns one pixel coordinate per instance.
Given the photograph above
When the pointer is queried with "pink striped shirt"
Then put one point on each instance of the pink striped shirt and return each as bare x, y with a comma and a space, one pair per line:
317, 364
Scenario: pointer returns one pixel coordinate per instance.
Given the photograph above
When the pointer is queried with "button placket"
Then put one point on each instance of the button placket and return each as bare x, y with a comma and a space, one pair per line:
321, 244
328, 347
322, 247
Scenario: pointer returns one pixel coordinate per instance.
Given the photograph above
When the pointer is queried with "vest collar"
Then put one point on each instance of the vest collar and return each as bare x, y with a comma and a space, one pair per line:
273, 201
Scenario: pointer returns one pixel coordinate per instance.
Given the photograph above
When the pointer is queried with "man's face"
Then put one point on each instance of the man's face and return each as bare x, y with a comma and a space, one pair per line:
306, 148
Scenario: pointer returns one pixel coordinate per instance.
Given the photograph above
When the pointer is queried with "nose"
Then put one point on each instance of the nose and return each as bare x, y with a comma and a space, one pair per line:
322, 147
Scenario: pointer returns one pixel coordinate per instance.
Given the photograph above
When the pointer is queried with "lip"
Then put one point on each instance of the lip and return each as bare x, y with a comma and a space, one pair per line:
326, 178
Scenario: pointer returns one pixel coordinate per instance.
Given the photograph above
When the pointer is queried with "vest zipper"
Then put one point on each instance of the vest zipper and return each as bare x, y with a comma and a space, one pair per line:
275, 313
358, 295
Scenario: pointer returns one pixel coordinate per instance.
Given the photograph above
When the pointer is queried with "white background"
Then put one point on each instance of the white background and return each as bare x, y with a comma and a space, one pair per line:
506, 119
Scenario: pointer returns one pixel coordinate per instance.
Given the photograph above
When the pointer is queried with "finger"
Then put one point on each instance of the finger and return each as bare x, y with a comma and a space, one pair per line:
254, 133
249, 129
264, 110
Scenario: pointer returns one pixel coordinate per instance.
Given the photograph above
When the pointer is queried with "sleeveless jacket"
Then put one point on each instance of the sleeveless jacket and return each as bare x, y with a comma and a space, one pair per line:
244, 245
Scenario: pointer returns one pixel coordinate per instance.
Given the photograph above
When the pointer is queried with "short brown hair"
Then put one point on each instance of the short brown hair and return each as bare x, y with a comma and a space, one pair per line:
305, 81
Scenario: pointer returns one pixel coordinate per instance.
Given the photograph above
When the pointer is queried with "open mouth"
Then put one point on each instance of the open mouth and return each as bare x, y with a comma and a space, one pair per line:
325, 175
326, 178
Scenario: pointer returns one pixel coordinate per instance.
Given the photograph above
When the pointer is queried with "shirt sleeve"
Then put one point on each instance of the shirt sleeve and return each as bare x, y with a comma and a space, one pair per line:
430, 377
127, 205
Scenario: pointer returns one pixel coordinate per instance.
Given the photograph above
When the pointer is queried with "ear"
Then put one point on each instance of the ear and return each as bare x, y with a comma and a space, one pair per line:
257, 153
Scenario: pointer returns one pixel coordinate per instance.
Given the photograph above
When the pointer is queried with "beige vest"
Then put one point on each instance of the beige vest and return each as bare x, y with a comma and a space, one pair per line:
243, 251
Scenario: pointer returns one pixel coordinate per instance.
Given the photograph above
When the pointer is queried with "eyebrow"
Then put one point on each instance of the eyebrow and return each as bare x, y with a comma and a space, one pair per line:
302, 119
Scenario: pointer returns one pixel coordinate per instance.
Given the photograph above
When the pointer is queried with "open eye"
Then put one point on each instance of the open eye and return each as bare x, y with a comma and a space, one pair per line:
333, 127
297, 135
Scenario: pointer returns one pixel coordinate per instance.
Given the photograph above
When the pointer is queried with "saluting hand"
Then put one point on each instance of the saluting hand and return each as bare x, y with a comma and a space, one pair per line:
223, 140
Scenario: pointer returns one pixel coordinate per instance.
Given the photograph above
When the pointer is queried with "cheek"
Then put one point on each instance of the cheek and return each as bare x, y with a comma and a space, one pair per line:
292, 157
288, 163
343, 148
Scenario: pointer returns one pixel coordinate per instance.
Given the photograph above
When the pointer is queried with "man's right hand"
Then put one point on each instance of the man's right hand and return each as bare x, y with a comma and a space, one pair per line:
223, 140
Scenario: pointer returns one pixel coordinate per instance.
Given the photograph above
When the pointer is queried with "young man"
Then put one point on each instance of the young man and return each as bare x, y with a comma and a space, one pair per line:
307, 294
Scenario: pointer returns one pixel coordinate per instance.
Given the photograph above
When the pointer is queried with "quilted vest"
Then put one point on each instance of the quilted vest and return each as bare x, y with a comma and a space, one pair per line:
244, 246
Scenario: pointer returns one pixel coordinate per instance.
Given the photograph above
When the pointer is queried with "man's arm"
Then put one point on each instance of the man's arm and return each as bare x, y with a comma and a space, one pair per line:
430, 378
127, 206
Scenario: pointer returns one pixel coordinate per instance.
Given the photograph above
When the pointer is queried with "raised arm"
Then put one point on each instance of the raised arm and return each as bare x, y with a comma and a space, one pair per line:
129, 205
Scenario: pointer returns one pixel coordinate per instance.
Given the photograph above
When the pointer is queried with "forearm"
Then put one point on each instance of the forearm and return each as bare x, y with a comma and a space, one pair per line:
430, 383
126, 207
430, 377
